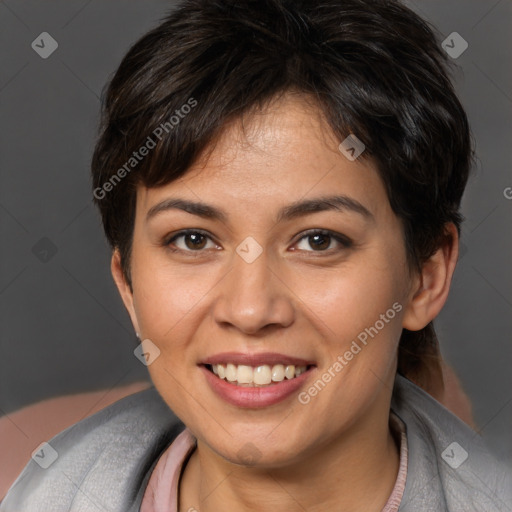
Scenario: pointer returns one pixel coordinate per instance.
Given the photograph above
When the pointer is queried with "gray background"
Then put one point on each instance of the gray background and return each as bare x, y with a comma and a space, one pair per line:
63, 328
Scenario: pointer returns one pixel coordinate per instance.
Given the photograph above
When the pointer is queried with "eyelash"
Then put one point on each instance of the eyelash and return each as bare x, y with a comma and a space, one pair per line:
345, 242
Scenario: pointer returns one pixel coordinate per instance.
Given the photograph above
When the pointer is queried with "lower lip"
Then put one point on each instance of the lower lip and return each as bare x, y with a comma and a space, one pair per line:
254, 397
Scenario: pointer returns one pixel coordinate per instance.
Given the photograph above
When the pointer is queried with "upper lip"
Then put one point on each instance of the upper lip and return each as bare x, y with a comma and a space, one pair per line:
270, 358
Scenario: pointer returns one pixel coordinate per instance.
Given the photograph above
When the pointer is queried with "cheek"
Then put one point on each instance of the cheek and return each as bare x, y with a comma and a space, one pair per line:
167, 299
348, 299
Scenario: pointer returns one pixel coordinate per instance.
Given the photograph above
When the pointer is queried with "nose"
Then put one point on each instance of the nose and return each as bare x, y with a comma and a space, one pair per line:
253, 297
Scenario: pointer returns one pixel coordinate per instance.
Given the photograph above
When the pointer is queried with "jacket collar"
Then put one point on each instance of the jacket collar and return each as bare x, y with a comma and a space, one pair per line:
106, 460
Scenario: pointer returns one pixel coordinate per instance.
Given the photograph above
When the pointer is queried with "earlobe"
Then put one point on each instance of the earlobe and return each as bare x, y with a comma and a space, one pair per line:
123, 287
433, 285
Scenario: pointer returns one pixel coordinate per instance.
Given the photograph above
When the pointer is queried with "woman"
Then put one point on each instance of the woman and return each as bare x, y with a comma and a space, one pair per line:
280, 182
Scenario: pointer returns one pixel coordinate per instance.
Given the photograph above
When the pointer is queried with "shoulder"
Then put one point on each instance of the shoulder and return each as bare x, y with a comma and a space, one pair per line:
449, 467
101, 462
24, 429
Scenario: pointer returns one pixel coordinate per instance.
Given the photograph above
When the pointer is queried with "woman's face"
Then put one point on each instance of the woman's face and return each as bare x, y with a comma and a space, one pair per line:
256, 283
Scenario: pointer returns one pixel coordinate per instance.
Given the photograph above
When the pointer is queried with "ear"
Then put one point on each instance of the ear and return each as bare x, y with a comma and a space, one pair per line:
123, 287
432, 286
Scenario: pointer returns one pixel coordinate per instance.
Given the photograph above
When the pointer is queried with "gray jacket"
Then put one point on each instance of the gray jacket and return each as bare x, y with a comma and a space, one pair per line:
103, 463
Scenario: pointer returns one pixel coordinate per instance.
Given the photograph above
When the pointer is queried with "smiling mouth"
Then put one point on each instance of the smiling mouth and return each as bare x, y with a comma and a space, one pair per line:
256, 376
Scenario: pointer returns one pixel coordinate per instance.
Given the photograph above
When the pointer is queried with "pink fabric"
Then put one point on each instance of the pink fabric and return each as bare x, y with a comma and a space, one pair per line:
161, 494
398, 428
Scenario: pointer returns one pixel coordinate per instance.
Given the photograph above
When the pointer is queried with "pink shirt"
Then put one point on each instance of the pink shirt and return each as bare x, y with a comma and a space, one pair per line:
161, 494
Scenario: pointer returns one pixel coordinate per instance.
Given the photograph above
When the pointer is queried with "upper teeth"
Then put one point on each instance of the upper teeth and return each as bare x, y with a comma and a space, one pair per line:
260, 375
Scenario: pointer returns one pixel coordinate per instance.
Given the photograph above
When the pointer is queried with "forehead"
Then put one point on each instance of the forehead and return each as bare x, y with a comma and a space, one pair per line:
273, 157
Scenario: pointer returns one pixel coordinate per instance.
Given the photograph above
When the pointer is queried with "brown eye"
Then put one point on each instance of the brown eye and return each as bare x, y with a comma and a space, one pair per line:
192, 241
321, 240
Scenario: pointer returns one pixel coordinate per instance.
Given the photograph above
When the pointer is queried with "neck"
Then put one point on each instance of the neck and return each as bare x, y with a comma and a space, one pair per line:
356, 471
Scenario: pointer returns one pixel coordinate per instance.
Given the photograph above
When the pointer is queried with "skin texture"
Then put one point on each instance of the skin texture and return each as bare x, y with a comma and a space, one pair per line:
296, 299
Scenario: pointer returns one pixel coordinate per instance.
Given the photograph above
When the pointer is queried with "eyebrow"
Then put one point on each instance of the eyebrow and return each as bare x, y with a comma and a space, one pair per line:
289, 212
